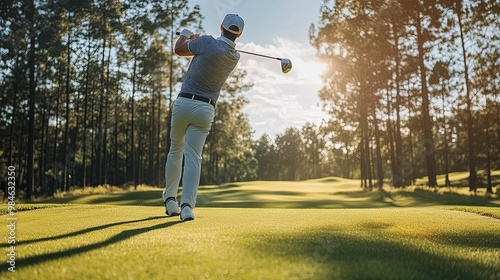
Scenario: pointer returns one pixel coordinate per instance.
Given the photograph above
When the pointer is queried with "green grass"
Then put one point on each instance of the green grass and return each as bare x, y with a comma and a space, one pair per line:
138, 242
317, 229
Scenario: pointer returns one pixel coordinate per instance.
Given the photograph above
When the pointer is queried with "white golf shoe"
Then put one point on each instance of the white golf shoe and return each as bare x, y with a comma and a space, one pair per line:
172, 208
171, 205
187, 213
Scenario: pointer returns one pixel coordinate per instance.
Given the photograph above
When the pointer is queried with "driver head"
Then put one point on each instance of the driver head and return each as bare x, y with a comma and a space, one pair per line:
286, 65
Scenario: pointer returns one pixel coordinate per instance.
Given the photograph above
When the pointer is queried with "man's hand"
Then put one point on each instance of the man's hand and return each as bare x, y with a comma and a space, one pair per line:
187, 33
192, 37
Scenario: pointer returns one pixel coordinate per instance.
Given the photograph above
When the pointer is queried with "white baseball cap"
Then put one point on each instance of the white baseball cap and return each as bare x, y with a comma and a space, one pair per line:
233, 20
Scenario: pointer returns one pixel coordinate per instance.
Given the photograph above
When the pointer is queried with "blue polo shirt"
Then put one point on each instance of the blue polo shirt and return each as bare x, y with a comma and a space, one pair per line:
213, 61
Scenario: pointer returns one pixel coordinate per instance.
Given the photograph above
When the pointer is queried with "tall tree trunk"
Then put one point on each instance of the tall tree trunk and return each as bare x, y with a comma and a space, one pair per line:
362, 165
30, 187
73, 144
390, 132
140, 151
426, 119
46, 149
447, 182
380, 171
158, 141
410, 143
398, 176
55, 163
489, 186
132, 125
106, 109
44, 135
66, 125
497, 106
115, 135
365, 145
41, 159
100, 118
15, 93
470, 129
85, 112
152, 136
93, 144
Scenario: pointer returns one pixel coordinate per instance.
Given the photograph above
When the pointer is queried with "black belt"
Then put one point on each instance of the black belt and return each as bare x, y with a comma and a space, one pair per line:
197, 97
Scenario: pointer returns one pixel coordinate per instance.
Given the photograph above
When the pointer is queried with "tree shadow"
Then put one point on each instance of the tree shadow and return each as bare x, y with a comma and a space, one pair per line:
124, 235
346, 256
218, 187
423, 198
487, 240
231, 196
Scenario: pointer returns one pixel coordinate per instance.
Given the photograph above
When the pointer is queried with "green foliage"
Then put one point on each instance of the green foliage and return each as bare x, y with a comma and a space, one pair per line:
290, 153
265, 154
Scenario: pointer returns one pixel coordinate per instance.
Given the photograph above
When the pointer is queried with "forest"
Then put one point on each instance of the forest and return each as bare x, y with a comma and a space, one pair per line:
411, 89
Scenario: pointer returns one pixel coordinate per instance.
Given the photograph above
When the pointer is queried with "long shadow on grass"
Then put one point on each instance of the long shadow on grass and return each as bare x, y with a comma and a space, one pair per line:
124, 235
345, 256
290, 199
418, 198
143, 198
84, 231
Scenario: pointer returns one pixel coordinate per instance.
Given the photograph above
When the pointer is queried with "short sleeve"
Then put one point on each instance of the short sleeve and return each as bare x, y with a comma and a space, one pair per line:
198, 45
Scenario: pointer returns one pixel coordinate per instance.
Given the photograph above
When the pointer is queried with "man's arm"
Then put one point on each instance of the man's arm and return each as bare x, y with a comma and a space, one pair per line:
181, 46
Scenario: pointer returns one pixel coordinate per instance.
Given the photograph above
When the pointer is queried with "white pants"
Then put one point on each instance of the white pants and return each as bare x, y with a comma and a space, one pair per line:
191, 122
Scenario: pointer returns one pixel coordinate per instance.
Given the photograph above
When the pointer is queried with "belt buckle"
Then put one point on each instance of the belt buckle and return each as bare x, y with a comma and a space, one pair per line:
192, 97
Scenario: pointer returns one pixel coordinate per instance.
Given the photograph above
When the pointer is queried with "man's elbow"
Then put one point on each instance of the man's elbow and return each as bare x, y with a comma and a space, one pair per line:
182, 50
177, 51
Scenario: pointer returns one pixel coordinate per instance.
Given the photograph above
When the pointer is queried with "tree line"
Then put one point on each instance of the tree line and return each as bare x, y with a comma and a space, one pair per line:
85, 88
411, 87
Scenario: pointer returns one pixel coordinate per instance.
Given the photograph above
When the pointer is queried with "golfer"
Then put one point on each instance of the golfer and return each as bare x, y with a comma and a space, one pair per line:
193, 110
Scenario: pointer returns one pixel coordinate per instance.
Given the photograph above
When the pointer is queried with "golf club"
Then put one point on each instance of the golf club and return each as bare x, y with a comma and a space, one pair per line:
286, 64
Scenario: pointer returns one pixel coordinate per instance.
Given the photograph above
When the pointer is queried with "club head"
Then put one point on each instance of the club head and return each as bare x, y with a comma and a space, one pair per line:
286, 65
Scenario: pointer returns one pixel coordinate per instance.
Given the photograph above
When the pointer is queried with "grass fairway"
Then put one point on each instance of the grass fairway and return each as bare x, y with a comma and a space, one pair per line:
318, 229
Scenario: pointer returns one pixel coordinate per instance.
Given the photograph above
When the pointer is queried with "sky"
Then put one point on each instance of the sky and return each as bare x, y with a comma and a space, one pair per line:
277, 28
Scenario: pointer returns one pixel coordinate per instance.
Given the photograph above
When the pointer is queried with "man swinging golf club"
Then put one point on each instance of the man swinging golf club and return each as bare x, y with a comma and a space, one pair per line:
193, 110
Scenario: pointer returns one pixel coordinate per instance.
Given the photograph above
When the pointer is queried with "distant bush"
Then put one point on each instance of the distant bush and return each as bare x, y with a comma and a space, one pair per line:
78, 191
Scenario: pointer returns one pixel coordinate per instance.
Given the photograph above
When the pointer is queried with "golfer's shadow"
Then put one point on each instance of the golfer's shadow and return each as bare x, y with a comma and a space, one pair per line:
84, 231
124, 235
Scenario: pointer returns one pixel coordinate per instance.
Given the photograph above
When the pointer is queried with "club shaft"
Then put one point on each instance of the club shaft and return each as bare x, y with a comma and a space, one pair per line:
261, 55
